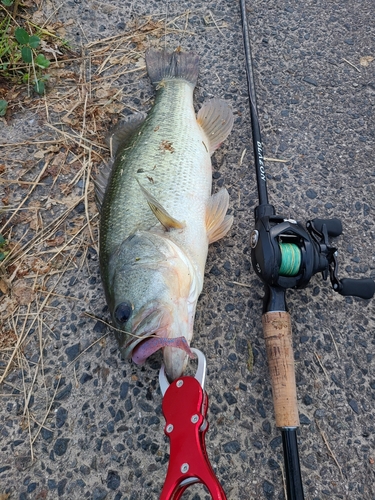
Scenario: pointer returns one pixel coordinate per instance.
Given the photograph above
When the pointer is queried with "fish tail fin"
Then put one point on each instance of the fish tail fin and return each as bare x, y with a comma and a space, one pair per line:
163, 64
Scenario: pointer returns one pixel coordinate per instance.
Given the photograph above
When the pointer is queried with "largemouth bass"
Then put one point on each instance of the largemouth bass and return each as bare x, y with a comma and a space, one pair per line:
158, 215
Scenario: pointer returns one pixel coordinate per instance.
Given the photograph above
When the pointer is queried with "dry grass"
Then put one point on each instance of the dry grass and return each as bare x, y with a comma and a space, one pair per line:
46, 236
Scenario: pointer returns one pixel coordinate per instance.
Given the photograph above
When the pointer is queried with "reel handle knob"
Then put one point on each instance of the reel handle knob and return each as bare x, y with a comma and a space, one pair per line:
334, 226
364, 288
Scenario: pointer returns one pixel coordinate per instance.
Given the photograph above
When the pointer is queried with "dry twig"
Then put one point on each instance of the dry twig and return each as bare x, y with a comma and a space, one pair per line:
329, 449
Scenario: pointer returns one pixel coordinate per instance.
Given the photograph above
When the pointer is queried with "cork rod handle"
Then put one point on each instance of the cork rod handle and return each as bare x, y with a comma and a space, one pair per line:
279, 346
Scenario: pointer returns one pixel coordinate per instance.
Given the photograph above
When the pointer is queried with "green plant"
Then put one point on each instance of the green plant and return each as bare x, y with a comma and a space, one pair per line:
3, 243
21, 57
28, 45
6, 46
3, 110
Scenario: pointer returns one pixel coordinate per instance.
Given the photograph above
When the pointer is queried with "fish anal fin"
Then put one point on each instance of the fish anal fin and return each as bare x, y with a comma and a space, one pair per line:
221, 230
216, 119
217, 222
123, 131
159, 211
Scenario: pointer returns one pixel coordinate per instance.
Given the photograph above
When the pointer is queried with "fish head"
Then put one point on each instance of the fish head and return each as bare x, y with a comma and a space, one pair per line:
152, 293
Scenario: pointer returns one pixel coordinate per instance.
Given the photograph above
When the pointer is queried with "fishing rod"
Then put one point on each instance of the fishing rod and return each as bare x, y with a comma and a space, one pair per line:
285, 254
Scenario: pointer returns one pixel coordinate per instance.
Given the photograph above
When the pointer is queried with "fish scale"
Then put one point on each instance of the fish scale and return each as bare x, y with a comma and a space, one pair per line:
158, 215
179, 176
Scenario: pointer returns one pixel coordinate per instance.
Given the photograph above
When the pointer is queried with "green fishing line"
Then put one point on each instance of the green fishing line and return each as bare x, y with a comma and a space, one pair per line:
290, 259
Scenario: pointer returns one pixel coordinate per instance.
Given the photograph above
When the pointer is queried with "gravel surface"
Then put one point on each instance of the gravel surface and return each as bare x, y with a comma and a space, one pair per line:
103, 436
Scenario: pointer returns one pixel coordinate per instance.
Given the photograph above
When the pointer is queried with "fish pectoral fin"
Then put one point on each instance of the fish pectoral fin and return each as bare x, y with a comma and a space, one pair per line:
159, 211
123, 131
101, 182
217, 222
216, 119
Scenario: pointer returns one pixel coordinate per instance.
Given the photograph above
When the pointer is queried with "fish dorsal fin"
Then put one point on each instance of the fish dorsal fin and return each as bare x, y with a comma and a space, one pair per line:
216, 119
101, 182
159, 211
217, 222
123, 131
118, 136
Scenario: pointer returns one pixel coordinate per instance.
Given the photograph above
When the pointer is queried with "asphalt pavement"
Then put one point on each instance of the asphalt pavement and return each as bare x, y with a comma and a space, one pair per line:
103, 438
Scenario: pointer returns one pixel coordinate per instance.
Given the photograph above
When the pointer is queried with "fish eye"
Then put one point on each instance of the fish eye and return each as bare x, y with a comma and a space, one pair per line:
123, 311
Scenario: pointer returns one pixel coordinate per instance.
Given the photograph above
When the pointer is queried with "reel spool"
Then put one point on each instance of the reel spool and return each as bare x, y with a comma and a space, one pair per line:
290, 259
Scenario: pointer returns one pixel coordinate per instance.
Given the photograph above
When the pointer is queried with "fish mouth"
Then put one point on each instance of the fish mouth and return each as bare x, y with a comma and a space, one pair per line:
148, 346
142, 346
147, 327
153, 331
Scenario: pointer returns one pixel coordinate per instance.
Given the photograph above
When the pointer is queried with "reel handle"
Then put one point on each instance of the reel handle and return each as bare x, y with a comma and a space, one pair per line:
277, 331
364, 288
334, 226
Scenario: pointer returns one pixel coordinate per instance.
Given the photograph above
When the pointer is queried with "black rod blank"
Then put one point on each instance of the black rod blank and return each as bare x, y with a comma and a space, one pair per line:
291, 461
257, 139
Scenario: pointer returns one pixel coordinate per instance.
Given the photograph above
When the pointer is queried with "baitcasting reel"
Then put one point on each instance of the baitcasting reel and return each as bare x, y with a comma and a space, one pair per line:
286, 255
